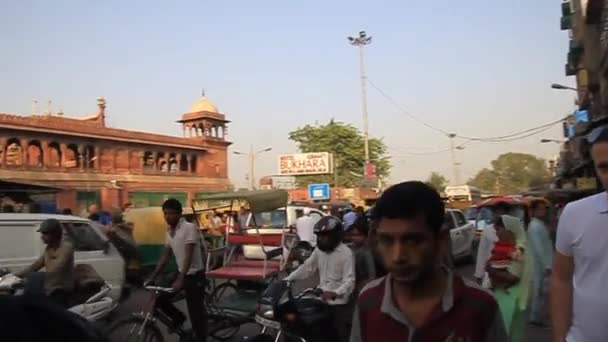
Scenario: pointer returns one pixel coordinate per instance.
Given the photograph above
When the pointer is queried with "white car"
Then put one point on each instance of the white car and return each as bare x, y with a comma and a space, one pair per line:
271, 222
462, 235
21, 245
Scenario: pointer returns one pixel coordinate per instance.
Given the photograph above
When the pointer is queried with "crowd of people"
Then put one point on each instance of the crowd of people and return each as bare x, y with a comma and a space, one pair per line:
411, 293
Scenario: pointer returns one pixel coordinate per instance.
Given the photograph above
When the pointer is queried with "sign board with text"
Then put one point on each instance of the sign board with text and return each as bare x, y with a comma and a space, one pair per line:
299, 164
285, 183
318, 191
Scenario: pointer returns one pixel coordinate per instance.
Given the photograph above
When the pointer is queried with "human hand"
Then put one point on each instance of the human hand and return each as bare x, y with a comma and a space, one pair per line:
328, 295
178, 284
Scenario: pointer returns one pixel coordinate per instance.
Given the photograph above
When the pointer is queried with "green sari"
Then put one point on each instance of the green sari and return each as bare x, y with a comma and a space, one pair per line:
513, 302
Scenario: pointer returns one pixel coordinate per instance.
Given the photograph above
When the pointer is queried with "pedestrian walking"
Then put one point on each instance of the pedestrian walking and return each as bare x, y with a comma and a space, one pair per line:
420, 299
509, 271
487, 240
579, 305
541, 250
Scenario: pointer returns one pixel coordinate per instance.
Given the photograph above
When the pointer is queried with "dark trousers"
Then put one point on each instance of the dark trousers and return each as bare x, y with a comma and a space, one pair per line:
194, 288
342, 316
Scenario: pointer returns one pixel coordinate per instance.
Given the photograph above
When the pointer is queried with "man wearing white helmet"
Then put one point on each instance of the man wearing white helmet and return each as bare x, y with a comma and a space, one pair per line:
304, 227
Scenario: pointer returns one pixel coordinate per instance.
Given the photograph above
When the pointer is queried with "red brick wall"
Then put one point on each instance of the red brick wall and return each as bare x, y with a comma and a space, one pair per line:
110, 198
66, 199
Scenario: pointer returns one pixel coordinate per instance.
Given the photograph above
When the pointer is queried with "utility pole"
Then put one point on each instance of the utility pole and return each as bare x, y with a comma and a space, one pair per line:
251, 168
455, 171
361, 41
251, 156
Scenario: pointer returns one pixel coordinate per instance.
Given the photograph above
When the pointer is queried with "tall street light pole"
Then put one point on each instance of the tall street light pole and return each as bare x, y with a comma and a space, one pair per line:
361, 41
252, 155
455, 164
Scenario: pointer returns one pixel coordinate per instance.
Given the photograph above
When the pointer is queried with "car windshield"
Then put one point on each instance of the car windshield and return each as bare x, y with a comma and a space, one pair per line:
275, 219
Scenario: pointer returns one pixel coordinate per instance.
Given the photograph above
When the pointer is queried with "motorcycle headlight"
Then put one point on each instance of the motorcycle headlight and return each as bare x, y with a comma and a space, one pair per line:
265, 311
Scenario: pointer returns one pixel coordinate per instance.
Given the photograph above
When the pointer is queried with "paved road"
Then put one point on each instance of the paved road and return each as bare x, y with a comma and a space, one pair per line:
137, 300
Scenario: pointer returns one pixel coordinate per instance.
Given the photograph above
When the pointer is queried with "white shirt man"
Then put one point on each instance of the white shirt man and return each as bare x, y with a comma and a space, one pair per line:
336, 272
582, 234
186, 233
305, 228
580, 263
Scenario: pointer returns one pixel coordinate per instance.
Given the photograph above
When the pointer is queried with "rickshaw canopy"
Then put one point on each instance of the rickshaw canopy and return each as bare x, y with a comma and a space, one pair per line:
259, 200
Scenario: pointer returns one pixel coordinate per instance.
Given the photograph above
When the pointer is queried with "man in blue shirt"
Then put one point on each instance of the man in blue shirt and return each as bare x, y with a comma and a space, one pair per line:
349, 218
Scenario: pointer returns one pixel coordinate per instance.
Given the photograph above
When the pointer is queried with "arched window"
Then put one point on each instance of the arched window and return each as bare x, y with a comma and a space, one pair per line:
54, 155
72, 157
183, 163
14, 152
148, 161
164, 166
34, 154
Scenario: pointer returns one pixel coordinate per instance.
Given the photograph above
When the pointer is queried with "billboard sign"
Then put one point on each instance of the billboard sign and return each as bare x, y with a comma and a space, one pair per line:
318, 191
285, 183
300, 164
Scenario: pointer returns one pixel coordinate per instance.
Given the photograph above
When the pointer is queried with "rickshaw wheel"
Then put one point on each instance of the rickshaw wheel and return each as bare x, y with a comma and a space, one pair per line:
221, 290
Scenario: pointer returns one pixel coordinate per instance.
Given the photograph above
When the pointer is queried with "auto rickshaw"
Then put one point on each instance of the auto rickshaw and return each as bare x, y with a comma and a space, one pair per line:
150, 233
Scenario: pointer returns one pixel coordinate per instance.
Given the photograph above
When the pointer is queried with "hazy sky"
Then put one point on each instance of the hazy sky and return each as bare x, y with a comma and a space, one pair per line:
477, 68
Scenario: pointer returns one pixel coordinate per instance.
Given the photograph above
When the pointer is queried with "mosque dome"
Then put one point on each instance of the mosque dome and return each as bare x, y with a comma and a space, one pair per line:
203, 105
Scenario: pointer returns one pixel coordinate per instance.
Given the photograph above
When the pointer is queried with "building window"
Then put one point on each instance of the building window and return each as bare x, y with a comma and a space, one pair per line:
183, 163
193, 164
14, 152
34, 154
54, 155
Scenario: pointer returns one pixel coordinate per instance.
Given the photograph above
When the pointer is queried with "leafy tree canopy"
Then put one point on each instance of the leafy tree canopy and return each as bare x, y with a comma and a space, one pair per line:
511, 173
346, 143
437, 181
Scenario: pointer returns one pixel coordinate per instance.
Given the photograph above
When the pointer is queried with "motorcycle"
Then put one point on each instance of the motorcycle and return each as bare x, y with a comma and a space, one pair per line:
303, 318
91, 302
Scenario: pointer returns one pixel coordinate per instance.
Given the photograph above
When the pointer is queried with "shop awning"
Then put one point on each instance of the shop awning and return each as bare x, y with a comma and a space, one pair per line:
11, 187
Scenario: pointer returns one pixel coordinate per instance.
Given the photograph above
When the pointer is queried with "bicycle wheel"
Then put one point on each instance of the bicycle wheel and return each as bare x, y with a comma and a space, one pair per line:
222, 328
222, 290
132, 329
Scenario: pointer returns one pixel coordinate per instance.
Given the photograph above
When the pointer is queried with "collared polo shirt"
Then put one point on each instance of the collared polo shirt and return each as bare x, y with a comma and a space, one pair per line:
465, 313
582, 234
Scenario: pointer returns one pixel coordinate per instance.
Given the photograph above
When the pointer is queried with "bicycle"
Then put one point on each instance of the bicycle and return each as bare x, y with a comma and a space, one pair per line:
143, 326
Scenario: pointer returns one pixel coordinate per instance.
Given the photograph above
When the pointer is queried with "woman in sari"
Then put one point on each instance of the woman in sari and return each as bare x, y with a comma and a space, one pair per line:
510, 279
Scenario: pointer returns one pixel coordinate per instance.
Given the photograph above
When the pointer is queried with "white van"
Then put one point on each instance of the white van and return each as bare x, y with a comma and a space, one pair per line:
21, 245
270, 223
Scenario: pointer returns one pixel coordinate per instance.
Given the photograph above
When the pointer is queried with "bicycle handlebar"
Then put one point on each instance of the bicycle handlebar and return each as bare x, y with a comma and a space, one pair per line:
160, 289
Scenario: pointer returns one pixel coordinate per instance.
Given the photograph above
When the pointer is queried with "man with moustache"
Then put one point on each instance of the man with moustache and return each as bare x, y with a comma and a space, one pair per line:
420, 299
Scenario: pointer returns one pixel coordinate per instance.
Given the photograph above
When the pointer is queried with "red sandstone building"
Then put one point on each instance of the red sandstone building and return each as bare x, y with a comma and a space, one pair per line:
89, 162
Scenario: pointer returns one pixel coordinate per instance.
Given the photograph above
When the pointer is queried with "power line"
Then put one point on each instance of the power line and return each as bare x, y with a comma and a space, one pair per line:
515, 136
504, 138
398, 106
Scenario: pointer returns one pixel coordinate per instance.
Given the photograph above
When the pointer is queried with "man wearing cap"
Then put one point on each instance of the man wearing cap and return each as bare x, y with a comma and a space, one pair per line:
57, 261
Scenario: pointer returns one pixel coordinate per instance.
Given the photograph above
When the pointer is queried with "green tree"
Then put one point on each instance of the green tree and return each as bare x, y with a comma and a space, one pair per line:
346, 143
511, 173
437, 181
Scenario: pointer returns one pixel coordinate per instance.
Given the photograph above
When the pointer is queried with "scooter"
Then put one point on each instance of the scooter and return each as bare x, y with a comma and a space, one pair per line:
92, 308
303, 318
